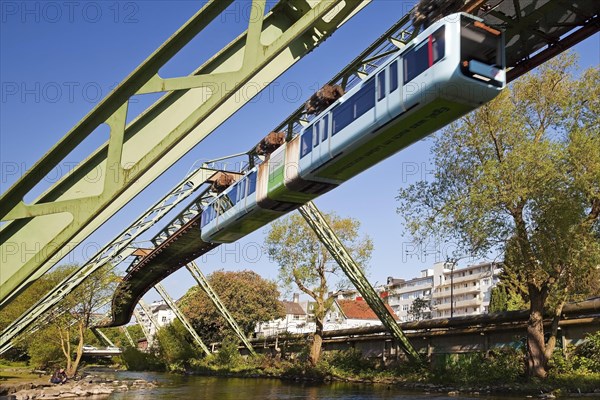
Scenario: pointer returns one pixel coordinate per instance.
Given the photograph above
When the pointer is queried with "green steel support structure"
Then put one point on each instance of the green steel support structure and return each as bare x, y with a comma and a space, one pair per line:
102, 337
128, 336
140, 322
212, 295
184, 321
338, 251
36, 236
113, 253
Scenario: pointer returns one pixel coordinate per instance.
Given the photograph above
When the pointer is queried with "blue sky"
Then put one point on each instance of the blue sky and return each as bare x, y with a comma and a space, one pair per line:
59, 59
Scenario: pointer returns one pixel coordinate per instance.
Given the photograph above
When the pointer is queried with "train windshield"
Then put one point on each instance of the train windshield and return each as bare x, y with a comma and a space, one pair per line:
481, 43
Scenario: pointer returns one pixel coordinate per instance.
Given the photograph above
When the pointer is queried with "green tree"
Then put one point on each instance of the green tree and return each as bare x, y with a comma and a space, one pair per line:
305, 262
249, 298
420, 309
522, 175
174, 345
67, 324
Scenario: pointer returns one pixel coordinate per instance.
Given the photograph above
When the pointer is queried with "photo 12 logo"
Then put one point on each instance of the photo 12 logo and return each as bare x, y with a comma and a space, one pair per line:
53, 12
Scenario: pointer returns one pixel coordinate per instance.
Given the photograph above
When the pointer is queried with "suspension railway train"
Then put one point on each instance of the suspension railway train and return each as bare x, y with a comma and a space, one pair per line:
449, 69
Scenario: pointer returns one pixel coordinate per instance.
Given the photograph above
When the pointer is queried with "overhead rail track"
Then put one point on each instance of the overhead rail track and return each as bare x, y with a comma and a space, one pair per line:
138, 152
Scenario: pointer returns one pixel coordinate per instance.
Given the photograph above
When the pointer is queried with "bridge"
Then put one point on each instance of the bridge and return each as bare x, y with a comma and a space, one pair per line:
535, 32
103, 352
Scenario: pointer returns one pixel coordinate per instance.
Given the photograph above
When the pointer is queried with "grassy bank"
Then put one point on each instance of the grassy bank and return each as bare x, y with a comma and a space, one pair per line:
496, 372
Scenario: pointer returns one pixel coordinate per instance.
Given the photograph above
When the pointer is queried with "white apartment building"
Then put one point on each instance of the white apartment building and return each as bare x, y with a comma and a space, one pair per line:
463, 291
162, 313
401, 294
469, 293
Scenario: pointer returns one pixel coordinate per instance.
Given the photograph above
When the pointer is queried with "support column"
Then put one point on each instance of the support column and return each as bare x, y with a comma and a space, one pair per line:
102, 337
212, 295
145, 331
338, 251
163, 293
128, 336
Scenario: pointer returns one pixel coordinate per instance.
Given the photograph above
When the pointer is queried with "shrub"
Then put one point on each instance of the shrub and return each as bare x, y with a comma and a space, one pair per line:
228, 354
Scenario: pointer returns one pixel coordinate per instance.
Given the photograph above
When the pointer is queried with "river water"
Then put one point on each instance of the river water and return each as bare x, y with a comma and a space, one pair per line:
176, 387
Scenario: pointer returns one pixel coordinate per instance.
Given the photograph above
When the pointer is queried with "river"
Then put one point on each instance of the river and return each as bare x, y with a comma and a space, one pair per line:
176, 387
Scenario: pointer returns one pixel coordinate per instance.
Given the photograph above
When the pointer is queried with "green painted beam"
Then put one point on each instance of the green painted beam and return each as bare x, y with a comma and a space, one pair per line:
338, 251
214, 298
184, 321
37, 235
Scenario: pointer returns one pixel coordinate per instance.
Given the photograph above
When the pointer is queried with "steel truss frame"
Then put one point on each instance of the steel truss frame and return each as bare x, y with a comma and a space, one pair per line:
338, 251
139, 152
214, 298
113, 253
184, 321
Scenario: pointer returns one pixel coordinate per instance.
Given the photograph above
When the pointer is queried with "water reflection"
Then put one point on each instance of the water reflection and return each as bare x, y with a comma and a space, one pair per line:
175, 387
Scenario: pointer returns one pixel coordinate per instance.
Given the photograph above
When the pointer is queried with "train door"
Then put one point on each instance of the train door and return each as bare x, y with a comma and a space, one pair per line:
381, 108
325, 136
394, 98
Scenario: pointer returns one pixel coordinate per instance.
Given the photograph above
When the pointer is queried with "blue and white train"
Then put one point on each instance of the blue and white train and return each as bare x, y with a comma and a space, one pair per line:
451, 68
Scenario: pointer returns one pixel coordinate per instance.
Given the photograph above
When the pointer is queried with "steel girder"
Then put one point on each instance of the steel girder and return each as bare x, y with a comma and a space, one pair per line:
214, 298
140, 322
128, 336
138, 152
102, 337
113, 253
338, 251
184, 321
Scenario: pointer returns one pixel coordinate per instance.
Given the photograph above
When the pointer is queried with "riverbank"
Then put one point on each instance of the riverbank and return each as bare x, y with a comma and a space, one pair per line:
21, 384
422, 380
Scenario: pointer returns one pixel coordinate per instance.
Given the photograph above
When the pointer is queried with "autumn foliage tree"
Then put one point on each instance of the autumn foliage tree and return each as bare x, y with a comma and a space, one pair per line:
306, 263
249, 298
522, 175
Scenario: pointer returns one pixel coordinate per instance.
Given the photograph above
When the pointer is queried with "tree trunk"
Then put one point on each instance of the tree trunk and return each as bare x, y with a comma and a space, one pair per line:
72, 371
536, 347
315, 349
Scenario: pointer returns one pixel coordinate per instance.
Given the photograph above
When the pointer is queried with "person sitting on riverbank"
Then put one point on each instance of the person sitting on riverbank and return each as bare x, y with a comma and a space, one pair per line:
59, 377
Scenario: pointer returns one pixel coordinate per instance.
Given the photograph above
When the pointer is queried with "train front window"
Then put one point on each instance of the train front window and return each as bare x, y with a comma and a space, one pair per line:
424, 55
481, 43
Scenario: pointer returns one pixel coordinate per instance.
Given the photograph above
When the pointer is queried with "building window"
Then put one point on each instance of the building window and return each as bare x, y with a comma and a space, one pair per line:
405, 307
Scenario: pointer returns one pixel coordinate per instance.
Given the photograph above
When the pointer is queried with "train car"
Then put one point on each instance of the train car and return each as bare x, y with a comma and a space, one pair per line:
234, 213
451, 68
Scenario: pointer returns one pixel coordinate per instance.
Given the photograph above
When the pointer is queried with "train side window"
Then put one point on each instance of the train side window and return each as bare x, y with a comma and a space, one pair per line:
306, 142
233, 194
364, 98
438, 44
205, 217
251, 183
381, 85
342, 116
325, 128
316, 132
393, 76
416, 61
243, 188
